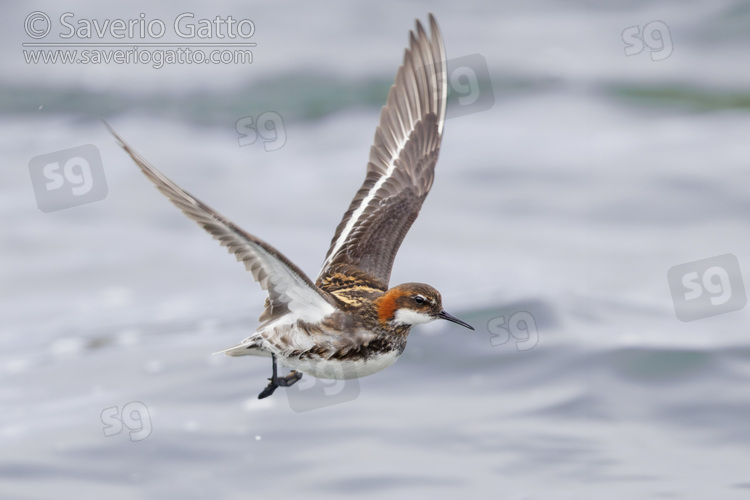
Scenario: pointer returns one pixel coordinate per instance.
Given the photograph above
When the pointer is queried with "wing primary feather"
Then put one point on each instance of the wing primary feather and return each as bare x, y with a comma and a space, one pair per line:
401, 166
289, 289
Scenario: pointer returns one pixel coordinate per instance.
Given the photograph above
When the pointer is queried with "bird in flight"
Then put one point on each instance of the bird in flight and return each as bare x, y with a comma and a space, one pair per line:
348, 323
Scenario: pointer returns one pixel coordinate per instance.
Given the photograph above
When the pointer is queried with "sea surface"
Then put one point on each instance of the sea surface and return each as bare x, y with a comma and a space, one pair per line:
581, 197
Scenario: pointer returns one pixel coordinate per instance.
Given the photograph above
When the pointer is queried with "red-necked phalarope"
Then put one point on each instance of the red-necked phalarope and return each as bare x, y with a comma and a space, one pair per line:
348, 323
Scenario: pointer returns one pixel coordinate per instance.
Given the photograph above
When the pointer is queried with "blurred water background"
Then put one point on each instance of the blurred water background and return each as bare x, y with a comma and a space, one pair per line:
589, 176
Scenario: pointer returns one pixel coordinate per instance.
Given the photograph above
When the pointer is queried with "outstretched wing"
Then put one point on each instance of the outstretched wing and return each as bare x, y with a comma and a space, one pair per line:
289, 290
401, 166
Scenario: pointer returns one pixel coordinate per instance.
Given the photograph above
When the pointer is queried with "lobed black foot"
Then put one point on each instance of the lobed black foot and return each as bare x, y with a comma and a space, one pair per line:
290, 379
276, 381
267, 391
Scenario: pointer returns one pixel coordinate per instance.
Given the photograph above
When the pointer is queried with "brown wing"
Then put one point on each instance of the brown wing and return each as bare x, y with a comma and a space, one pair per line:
401, 166
289, 289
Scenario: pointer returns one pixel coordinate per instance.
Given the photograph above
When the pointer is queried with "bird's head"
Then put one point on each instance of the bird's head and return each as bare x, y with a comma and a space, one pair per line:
413, 304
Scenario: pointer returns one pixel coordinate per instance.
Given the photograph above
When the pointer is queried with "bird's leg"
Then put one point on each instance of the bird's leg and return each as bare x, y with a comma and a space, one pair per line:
276, 381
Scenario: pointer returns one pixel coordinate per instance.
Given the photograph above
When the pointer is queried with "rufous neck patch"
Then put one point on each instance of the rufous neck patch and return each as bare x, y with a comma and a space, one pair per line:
387, 306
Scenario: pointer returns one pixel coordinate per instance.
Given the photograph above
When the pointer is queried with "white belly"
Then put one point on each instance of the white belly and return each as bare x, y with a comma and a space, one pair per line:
342, 370
284, 339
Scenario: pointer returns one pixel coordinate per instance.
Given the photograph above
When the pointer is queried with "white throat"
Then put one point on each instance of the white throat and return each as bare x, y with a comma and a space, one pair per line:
411, 317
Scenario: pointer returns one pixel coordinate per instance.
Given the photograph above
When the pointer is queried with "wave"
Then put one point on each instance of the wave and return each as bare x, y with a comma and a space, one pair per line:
310, 97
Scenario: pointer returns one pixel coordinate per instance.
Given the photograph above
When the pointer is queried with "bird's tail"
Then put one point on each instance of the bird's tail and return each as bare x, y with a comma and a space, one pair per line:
248, 347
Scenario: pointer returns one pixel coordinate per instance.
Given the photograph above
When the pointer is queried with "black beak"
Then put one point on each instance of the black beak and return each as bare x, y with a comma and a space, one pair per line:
445, 315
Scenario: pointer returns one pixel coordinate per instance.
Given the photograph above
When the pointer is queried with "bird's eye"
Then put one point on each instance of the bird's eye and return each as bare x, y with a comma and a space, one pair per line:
419, 299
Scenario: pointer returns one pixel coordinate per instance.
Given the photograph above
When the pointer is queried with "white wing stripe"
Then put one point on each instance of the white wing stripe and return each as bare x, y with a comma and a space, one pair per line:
407, 106
365, 202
